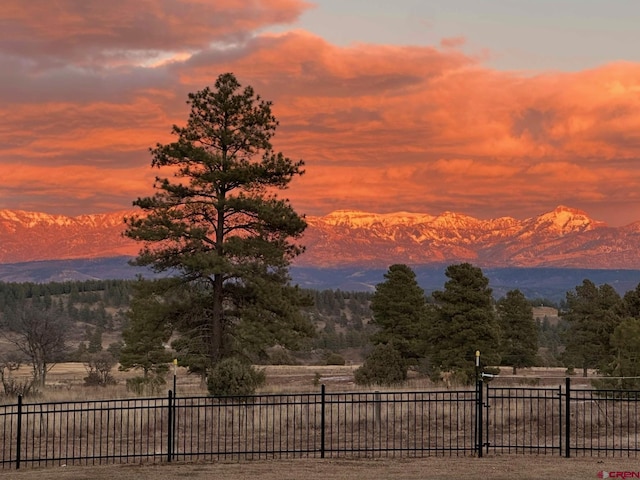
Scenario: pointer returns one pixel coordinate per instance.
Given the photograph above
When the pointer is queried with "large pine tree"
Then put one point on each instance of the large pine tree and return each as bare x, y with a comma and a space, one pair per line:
466, 322
399, 310
217, 226
519, 330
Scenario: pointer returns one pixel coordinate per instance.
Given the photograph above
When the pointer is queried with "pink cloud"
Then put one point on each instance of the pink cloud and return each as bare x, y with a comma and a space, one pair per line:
453, 42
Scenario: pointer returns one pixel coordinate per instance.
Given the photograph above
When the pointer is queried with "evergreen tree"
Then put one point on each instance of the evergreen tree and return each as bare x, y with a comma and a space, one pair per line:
148, 330
466, 322
592, 314
399, 309
519, 331
630, 305
95, 340
624, 364
551, 342
384, 366
218, 225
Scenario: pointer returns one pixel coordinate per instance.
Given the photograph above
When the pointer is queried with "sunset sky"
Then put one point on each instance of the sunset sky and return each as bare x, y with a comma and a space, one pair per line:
489, 108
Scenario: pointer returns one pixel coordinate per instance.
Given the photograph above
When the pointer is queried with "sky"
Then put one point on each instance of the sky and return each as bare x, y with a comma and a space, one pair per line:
489, 108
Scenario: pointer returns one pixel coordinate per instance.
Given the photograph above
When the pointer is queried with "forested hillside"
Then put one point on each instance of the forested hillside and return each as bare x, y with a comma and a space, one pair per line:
96, 308
93, 312
98, 303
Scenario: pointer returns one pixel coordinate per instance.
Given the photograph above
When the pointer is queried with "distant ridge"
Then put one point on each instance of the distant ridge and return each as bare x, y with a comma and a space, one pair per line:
548, 283
47, 271
564, 237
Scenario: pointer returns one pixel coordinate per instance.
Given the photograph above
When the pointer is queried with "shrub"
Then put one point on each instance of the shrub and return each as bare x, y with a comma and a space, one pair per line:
335, 359
232, 376
149, 385
99, 366
280, 356
15, 386
95, 379
384, 366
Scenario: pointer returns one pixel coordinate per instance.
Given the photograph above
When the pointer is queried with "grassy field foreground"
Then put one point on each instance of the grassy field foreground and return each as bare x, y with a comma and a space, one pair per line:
492, 467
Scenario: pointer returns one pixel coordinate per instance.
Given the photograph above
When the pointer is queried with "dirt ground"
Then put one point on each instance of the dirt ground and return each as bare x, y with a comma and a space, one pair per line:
496, 467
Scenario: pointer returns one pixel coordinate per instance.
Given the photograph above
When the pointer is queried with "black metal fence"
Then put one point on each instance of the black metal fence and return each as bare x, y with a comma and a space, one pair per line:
561, 421
558, 421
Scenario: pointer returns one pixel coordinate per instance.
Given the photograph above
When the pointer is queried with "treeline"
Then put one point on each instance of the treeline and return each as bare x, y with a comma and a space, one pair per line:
342, 319
114, 293
101, 303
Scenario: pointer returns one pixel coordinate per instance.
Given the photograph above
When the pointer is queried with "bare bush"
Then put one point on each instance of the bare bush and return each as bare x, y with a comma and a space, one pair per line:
11, 385
99, 366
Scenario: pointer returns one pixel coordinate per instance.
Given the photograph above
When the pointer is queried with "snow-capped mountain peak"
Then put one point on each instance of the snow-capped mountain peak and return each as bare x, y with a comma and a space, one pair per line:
566, 220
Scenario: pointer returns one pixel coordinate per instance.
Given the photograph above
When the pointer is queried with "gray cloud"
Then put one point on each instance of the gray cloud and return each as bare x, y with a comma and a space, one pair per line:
103, 32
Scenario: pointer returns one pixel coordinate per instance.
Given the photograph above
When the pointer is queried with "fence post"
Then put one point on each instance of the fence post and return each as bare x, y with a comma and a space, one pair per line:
479, 420
19, 433
567, 420
322, 420
377, 407
486, 418
174, 430
170, 427
560, 419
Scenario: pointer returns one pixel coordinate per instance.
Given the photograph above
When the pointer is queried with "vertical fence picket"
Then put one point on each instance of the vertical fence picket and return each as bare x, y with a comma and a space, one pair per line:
170, 423
487, 417
19, 432
560, 419
479, 420
322, 420
567, 418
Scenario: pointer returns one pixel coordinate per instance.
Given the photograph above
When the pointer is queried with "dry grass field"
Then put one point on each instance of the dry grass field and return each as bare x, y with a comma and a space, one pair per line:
65, 381
495, 468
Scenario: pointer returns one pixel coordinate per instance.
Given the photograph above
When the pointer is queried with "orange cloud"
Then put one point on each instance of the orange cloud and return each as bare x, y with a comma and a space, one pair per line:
381, 128
68, 189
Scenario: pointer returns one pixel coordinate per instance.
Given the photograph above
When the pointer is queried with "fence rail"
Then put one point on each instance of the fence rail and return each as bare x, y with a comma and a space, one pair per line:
556, 421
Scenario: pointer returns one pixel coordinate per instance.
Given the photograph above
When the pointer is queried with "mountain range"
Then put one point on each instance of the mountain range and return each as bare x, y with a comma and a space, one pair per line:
352, 249
564, 237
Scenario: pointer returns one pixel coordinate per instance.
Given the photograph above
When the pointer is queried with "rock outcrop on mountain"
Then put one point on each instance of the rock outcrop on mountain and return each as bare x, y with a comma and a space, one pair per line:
564, 237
